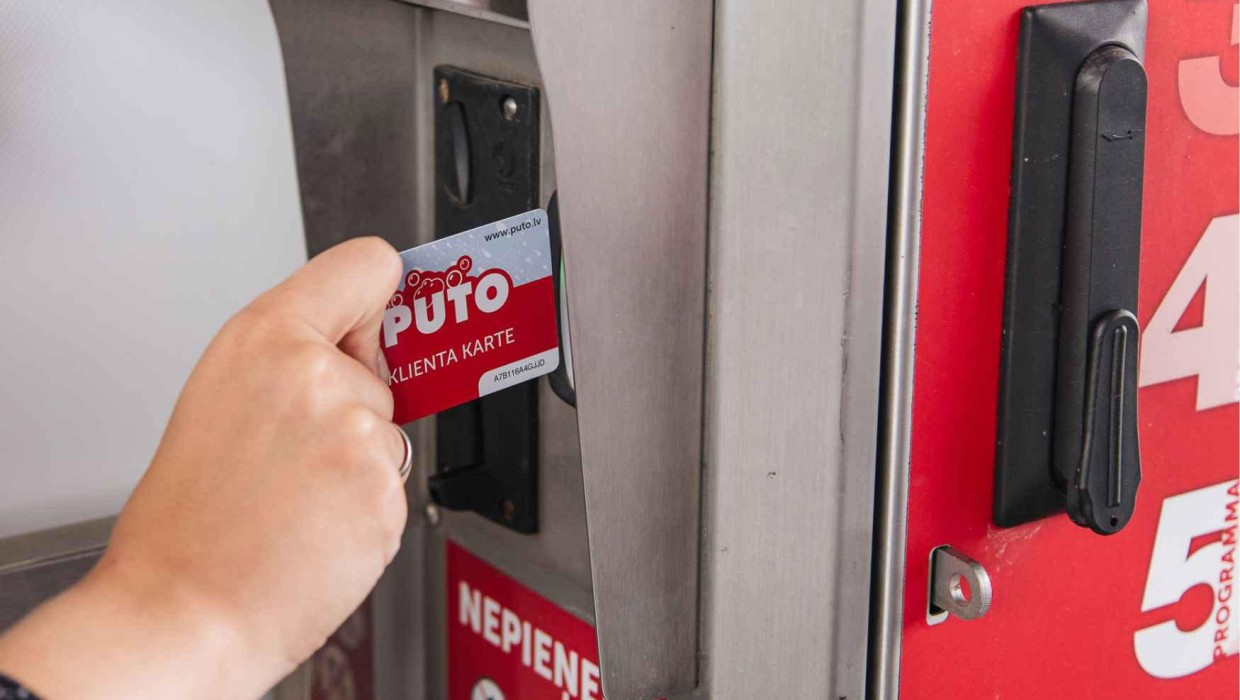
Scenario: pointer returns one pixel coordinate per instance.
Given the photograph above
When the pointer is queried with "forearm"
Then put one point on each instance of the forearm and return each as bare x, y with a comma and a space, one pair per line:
123, 634
270, 509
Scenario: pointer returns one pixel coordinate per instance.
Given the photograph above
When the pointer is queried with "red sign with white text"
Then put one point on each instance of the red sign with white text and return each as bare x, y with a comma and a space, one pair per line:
506, 642
1149, 612
475, 314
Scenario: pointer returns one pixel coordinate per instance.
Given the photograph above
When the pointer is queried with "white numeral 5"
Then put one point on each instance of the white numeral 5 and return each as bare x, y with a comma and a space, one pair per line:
1163, 650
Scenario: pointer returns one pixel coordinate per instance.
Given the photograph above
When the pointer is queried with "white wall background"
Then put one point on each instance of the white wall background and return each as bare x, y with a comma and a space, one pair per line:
147, 191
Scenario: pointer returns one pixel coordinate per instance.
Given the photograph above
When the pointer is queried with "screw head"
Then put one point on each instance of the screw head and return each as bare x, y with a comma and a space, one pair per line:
509, 108
432, 514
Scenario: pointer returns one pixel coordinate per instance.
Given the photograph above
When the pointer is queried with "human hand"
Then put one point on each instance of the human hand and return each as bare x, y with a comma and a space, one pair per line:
270, 509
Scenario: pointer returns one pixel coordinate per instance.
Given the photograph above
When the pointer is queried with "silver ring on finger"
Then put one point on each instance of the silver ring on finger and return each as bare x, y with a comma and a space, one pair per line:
406, 466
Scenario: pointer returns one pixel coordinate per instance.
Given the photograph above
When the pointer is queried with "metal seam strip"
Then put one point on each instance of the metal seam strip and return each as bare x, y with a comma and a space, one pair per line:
899, 328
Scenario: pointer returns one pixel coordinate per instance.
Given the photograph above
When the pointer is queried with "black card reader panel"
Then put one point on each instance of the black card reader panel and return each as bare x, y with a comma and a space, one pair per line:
486, 169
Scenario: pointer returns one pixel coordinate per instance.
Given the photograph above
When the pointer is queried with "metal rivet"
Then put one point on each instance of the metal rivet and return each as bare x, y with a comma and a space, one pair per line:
509, 108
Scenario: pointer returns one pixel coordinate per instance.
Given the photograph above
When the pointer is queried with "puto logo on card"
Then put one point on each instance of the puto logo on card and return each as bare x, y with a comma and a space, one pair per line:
438, 296
475, 313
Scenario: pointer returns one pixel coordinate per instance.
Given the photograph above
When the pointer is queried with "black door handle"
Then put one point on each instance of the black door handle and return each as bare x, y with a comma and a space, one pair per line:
1101, 440
1095, 452
1067, 430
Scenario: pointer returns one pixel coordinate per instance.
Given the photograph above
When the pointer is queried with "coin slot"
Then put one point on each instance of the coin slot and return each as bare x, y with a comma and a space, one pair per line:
458, 181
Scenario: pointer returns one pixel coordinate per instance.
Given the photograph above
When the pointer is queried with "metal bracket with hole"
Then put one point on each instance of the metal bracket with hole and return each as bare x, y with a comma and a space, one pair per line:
958, 585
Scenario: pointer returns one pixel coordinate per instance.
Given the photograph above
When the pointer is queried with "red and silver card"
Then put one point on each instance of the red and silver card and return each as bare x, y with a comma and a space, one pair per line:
475, 313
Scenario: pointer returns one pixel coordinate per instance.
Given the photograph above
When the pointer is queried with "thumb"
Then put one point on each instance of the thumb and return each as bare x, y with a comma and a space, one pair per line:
341, 295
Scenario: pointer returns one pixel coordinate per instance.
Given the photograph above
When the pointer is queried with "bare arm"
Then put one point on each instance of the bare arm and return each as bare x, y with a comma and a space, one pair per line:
269, 511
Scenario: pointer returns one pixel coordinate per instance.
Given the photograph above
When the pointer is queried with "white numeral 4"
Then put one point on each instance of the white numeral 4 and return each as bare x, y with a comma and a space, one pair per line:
1211, 351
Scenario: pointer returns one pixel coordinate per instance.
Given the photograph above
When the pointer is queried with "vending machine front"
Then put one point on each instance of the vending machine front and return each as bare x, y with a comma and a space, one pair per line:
898, 342
1059, 507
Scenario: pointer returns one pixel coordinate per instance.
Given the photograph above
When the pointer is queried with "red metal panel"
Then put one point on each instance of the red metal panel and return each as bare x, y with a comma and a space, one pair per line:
506, 642
1076, 614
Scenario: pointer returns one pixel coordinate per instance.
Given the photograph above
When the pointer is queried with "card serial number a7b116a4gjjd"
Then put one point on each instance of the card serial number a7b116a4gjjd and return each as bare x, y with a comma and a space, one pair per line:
475, 313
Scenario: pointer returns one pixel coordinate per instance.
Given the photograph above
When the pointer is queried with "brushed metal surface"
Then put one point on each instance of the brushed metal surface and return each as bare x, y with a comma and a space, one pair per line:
38, 565
510, 12
628, 86
899, 327
352, 77
360, 74
350, 69
802, 115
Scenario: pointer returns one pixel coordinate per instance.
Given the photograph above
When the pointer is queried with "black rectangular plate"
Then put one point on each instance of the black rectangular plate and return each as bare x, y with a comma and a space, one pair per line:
1054, 42
487, 450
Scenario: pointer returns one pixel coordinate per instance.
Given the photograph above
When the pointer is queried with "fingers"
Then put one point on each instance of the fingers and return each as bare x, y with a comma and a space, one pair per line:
363, 446
366, 388
341, 294
393, 511
340, 297
390, 507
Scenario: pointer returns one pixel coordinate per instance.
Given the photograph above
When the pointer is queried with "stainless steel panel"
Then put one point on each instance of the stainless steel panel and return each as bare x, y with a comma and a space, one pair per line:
360, 74
802, 116
351, 73
890, 520
629, 91
36, 566
351, 69
510, 12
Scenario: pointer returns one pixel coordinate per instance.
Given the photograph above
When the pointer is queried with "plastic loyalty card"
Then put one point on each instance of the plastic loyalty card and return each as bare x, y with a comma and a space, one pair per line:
475, 313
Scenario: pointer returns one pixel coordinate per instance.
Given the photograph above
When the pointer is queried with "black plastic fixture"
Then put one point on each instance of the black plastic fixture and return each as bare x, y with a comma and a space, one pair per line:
486, 169
1067, 415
